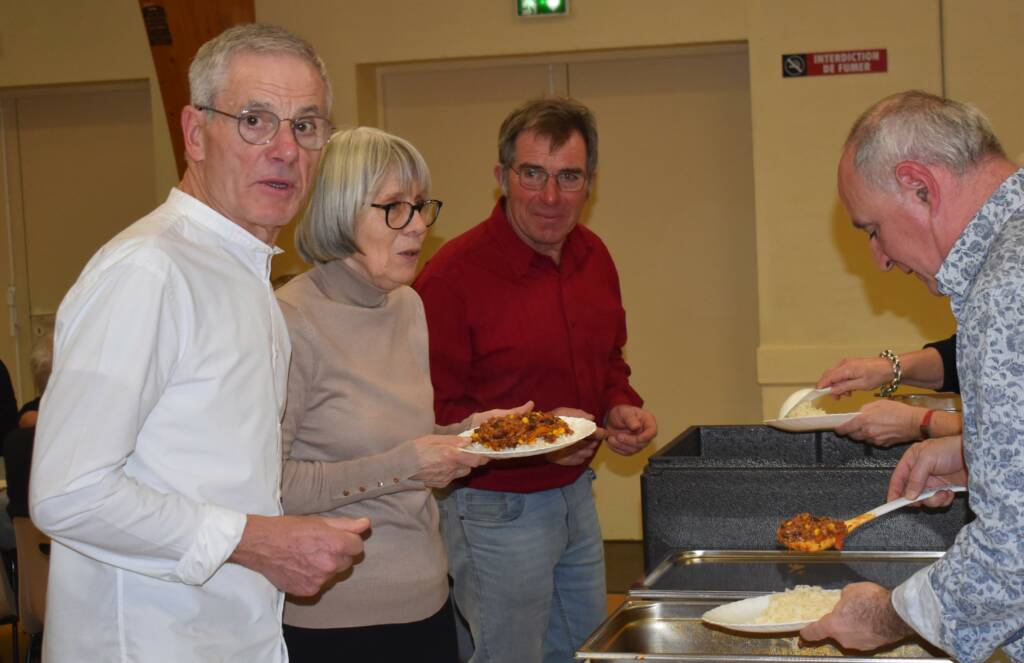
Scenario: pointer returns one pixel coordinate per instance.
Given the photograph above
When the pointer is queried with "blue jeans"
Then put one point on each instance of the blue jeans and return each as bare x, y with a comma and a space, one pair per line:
528, 570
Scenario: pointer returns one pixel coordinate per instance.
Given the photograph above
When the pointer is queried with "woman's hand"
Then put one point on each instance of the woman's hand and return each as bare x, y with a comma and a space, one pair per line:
884, 423
856, 374
441, 461
478, 418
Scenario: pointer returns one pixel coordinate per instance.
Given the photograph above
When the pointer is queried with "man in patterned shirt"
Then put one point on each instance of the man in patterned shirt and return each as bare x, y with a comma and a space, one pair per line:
929, 182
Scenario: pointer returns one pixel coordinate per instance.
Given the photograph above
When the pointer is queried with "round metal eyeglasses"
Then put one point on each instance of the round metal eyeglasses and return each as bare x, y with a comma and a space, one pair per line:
399, 214
535, 178
258, 127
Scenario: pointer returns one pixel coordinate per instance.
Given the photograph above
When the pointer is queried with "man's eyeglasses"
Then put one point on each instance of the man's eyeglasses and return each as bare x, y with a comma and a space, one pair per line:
399, 214
534, 178
258, 127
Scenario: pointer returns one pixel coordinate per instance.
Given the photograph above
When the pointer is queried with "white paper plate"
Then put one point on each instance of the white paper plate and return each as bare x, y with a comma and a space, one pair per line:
740, 616
581, 428
801, 424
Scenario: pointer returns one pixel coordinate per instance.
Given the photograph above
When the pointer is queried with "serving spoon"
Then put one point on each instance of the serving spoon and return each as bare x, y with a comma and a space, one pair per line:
831, 533
801, 396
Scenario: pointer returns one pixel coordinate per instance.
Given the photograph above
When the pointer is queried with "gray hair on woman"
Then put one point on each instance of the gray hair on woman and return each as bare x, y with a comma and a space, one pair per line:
923, 127
209, 67
354, 166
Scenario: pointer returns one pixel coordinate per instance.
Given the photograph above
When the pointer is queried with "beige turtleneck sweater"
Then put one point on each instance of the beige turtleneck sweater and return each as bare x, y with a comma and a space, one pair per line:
358, 392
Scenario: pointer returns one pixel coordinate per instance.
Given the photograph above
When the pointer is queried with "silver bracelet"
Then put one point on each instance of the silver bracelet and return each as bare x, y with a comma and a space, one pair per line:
897, 372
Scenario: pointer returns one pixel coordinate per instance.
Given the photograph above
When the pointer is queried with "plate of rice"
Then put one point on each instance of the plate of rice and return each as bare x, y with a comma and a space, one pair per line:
808, 423
781, 612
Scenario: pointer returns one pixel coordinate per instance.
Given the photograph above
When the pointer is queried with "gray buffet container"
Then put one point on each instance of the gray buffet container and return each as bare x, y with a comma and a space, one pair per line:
661, 618
729, 487
712, 500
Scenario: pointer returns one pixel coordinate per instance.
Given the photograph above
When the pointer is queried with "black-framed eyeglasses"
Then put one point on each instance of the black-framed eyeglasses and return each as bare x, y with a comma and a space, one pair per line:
258, 127
399, 214
535, 178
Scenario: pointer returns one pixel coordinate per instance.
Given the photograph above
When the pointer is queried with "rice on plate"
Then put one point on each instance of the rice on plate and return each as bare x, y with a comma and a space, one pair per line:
802, 603
805, 409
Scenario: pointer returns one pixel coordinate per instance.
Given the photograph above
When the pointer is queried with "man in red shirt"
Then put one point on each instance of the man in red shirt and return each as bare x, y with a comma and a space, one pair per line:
526, 306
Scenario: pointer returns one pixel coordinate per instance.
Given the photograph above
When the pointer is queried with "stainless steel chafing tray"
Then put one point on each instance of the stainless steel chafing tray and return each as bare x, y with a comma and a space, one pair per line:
738, 574
672, 630
661, 619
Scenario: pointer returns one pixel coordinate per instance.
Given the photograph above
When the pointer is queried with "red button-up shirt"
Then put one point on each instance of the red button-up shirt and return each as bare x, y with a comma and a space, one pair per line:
508, 325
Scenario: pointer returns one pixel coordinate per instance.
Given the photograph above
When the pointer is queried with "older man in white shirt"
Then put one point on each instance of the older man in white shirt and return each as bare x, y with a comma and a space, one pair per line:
157, 456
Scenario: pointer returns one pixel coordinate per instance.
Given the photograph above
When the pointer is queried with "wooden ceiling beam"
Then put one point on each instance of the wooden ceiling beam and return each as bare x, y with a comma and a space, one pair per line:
176, 29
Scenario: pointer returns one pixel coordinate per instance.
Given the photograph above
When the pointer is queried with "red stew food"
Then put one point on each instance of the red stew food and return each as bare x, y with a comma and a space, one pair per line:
808, 533
514, 430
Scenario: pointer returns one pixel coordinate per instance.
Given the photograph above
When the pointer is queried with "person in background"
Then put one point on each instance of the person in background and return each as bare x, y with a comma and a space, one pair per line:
886, 422
526, 306
8, 423
19, 441
358, 434
928, 181
157, 466
41, 363
8, 402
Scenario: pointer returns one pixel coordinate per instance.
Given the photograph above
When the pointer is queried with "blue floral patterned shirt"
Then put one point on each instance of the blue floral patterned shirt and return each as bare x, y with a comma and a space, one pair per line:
972, 600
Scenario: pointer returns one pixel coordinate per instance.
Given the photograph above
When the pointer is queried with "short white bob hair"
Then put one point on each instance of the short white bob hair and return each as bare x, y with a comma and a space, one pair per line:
354, 164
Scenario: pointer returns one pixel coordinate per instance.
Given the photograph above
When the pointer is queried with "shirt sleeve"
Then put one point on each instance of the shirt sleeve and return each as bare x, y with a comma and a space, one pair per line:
972, 600
451, 349
313, 486
617, 389
947, 350
117, 342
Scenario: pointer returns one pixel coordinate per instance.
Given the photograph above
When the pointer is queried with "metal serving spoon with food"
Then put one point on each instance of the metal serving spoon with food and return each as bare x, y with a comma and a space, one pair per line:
807, 533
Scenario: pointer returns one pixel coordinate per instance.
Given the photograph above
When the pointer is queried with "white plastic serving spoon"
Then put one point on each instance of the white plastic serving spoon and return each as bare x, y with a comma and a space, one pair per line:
801, 396
898, 503
826, 542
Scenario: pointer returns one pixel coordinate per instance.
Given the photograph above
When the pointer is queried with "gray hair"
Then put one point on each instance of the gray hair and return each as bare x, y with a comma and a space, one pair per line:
555, 118
354, 165
209, 67
919, 126
41, 361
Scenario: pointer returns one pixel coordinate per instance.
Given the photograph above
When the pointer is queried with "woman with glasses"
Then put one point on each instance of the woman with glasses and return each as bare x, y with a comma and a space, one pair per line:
358, 434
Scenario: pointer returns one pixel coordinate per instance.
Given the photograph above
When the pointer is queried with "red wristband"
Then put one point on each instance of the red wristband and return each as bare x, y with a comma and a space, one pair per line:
925, 421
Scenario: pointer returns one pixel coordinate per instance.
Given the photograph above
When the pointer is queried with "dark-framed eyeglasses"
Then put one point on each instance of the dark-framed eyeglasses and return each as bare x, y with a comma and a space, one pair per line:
399, 214
535, 178
258, 127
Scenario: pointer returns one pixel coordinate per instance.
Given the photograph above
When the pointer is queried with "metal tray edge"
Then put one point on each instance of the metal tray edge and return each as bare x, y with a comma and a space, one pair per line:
767, 555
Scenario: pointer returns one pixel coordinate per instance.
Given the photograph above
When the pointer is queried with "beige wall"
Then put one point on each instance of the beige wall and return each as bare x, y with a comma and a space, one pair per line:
982, 46
819, 295
56, 42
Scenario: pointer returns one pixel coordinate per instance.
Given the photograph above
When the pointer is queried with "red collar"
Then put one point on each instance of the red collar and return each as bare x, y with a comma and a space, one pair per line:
520, 256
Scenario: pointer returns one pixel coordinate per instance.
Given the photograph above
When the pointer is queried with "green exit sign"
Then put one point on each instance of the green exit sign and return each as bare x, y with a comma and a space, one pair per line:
542, 7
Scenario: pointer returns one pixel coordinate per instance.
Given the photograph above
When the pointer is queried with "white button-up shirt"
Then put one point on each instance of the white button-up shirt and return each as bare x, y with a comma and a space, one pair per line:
159, 431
